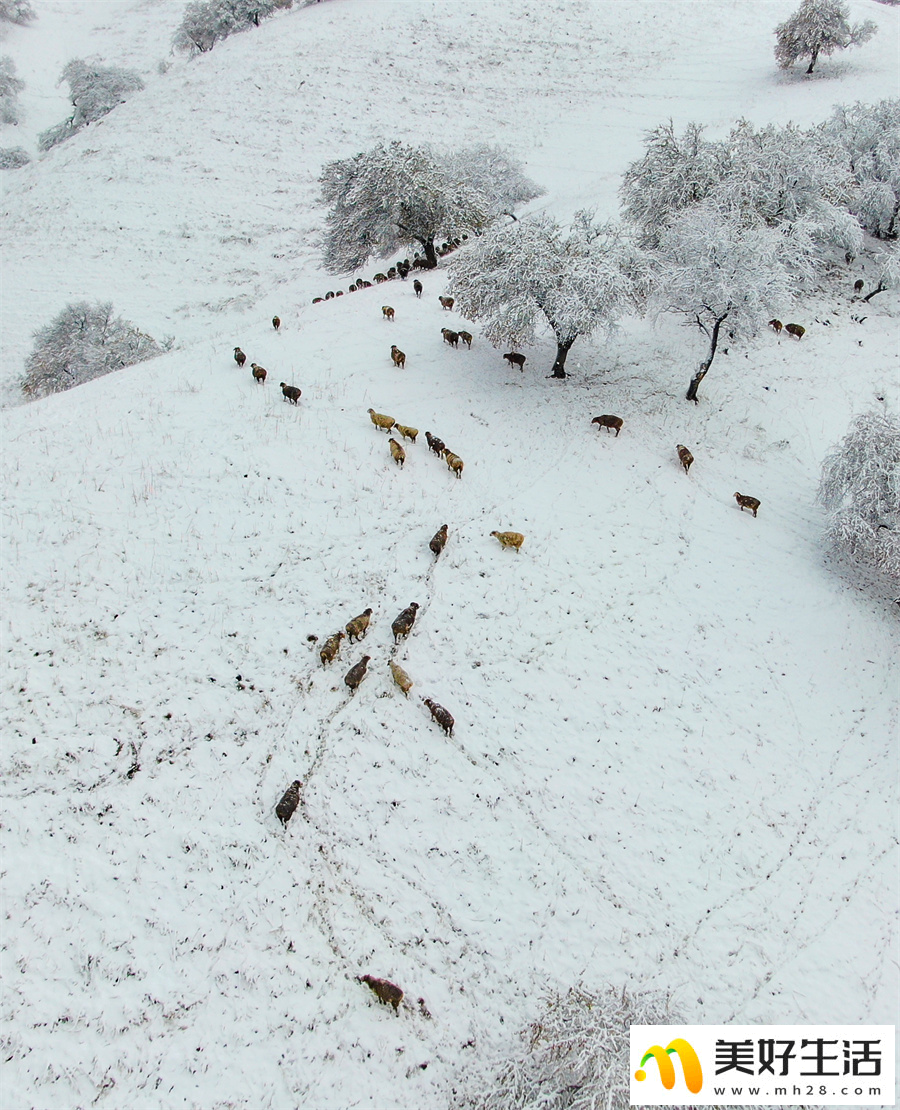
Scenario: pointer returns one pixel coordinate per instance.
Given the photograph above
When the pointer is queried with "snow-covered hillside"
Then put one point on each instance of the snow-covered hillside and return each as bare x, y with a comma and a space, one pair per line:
674, 760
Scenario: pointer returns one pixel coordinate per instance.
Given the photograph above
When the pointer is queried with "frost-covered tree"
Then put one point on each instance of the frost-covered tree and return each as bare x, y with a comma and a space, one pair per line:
83, 342
13, 158
16, 11
10, 87
818, 27
94, 91
860, 488
395, 196
869, 135
888, 274
206, 22
531, 273
716, 273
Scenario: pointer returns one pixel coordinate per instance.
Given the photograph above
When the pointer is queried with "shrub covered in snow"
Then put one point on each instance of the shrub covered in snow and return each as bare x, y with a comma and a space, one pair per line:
869, 134
534, 272
860, 488
206, 22
84, 342
10, 87
13, 158
94, 91
16, 11
818, 27
396, 195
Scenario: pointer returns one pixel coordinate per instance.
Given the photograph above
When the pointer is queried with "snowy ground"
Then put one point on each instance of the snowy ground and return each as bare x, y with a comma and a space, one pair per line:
674, 759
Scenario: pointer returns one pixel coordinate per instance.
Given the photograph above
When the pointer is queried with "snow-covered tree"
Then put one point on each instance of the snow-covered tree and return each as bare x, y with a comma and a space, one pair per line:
206, 22
716, 273
860, 488
818, 27
94, 91
14, 157
16, 11
83, 342
888, 268
10, 87
532, 273
675, 172
869, 134
395, 196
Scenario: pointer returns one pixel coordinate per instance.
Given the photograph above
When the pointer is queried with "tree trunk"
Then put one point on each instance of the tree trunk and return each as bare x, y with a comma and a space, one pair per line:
880, 289
815, 55
691, 394
559, 367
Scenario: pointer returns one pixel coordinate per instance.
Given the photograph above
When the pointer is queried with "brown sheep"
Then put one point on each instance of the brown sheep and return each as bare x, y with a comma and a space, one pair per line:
380, 420
685, 456
404, 622
447, 302
454, 462
291, 393
438, 540
510, 539
776, 326
387, 312
441, 715
417, 287
358, 627
795, 329
357, 673
746, 502
858, 286
276, 322
290, 799
466, 338
388, 993
361, 283
515, 360
379, 278
397, 452
239, 357
392, 273
450, 337
407, 433
330, 648
436, 445
329, 296
317, 300
259, 373
609, 422
401, 678
398, 356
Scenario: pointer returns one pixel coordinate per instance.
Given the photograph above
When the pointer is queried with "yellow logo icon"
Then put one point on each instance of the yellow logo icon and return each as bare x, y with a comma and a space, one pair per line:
693, 1073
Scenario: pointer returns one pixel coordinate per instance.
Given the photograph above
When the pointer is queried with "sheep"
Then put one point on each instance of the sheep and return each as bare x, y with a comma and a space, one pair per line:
685, 456
401, 678
858, 286
356, 674
352, 288
407, 433
419, 263
515, 360
510, 539
436, 445
398, 356
776, 326
317, 300
746, 502
330, 648
403, 270
381, 421
276, 322
609, 422
795, 329
239, 357
358, 627
438, 540
290, 799
339, 293
466, 338
259, 373
387, 312
397, 452
447, 303
454, 462
329, 296
291, 393
392, 273
404, 622
443, 717
361, 283
450, 337
417, 287
379, 278
388, 993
